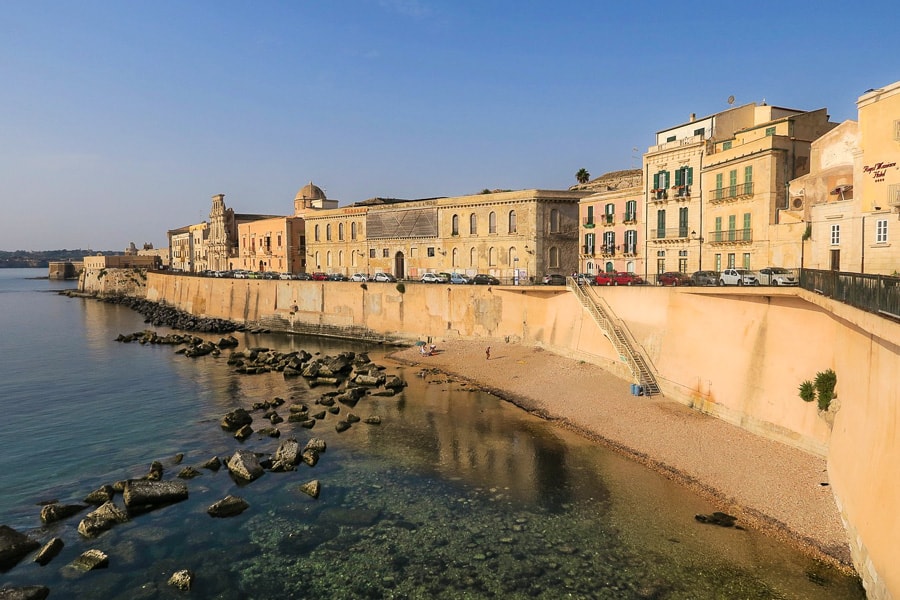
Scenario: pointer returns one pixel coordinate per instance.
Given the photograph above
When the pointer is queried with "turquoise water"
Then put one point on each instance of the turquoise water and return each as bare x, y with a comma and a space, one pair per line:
455, 495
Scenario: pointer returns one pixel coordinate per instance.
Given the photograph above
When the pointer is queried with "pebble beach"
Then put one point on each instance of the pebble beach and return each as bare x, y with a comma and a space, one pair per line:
767, 485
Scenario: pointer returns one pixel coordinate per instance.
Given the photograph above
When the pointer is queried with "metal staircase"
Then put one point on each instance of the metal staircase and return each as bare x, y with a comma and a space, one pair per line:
620, 337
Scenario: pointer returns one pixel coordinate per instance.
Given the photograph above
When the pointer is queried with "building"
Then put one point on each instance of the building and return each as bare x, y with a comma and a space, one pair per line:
222, 238
850, 199
745, 180
611, 221
180, 249
512, 235
274, 244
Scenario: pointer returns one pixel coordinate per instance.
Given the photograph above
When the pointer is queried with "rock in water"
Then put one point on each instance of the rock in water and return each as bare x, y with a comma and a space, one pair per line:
244, 465
182, 579
144, 495
56, 512
49, 551
13, 546
98, 521
228, 506
31, 592
90, 560
311, 488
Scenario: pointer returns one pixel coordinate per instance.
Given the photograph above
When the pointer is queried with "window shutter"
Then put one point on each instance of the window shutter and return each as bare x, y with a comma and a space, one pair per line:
690, 176
656, 181
678, 177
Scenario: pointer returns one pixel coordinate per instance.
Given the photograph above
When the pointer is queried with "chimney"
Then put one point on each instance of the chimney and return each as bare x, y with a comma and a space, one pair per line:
693, 117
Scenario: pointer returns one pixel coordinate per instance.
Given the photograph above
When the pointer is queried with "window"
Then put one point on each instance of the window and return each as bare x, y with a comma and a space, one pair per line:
455, 257
700, 131
770, 131
660, 224
431, 252
718, 190
328, 258
341, 231
589, 243
473, 224
631, 211
718, 262
352, 231
609, 214
279, 240
371, 252
731, 260
671, 138
492, 256
747, 260
631, 241
747, 237
385, 253
683, 222
492, 222
660, 261
512, 221
682, 261
554, 221
835, 235
473, 257
661, 180
554, 257
609, 242
454, 225
726, 145
684, 178
589, 220
328, 232
732, 224
732, 183
316, 233
881, 231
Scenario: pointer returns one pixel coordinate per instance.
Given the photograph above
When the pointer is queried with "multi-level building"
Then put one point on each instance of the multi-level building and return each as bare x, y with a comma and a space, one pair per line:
512, 235
611, 239
275, 244
180, 251
745, 186
222, 239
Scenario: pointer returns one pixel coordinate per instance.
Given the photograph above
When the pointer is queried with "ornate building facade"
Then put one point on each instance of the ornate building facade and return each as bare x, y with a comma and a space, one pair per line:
611, 237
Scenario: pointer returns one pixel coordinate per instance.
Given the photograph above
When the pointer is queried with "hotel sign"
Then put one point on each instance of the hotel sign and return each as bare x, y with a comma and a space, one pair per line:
879, 170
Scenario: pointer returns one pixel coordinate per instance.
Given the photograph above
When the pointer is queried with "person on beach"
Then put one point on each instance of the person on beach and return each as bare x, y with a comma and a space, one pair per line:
487, 353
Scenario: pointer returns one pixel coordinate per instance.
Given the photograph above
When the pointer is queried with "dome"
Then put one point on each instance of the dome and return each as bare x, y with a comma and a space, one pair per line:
310, 192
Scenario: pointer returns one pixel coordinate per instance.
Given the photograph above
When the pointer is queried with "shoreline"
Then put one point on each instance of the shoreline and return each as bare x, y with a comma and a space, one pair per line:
787, 497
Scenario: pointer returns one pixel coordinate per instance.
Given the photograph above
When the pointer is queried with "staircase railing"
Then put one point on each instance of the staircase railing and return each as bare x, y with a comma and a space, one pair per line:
619, 336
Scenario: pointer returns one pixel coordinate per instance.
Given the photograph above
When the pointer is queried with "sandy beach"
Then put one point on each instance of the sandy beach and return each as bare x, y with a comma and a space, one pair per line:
767, 485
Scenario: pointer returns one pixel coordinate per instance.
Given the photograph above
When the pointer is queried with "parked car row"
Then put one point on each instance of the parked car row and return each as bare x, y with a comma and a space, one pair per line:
618, 278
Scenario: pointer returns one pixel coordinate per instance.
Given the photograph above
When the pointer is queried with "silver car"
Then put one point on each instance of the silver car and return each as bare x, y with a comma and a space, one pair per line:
777, 276
737, 277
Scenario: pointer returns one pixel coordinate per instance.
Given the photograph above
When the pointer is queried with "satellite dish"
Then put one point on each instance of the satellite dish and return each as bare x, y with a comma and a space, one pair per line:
730, 99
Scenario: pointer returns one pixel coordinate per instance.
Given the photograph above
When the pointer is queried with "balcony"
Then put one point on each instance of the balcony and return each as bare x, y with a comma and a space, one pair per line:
732, 192
588, 222
629, 217
608, 220
658, 195
730, 236
608, 250
673, 234
681, 192
587, 250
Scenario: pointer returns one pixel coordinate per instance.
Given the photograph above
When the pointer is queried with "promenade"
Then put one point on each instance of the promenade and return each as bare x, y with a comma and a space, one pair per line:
767, 485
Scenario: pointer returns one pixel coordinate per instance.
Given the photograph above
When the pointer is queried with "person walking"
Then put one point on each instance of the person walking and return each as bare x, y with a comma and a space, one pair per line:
487, 353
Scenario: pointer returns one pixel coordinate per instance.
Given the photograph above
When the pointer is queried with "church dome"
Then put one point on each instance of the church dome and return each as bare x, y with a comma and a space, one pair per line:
310, 192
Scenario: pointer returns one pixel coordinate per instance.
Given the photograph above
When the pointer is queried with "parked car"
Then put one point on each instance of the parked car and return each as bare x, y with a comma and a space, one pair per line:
384, 278
458, 278
483, 279
319, 276
285, 276
705, 278
302, 276
359, 277
241, 274
604, 278
554, 279
777, 276
432, 278
673, 278
623, 278
737, 277
337, 277
584, 279
269, 275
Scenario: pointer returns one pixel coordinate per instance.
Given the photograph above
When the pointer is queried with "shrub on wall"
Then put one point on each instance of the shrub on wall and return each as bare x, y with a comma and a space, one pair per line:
401, 288
825, 383
807, 391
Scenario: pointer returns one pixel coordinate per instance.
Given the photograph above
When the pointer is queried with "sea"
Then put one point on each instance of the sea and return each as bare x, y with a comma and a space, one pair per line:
455, 494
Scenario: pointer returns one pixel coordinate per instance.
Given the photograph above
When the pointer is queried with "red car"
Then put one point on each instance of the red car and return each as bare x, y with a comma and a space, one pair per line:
319, 276
673, 278
619, 278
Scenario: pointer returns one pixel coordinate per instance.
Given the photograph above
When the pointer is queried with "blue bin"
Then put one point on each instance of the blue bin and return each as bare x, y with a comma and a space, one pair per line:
634, 389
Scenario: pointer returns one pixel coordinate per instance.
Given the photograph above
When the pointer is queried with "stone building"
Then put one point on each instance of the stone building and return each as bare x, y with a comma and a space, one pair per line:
512, 235
275, 244
611, 237
222, 240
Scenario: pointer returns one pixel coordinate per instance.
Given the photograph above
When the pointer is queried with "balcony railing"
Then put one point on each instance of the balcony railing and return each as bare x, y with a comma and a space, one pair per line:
659, 194
730, 236
588, 250
608, 250
629, 217
672, 233
732, 192
681, 191
879, 294
588, 222
608, 219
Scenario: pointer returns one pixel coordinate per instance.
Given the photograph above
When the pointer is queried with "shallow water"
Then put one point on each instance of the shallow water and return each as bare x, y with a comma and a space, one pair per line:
455, 495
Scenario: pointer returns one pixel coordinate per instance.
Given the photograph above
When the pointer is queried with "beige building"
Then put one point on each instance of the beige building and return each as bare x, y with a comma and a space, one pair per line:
611, 221
222, 238
180, 251
851, 197
275, 244
512, 235
745, 187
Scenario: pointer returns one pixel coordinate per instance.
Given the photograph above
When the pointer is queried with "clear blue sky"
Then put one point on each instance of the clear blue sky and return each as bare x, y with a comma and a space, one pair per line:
120, 120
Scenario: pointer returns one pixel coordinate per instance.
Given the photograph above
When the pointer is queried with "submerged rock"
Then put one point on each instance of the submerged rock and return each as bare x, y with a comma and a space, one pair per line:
98, 521
182, 579
100, 495
90, 560
245, 465
48, 552
145, 495
56, 512
311, 488
228, 506
30, 592
717, 518
14, 546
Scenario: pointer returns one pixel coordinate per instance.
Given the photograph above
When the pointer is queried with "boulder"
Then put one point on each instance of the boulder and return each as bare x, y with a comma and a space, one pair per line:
341, 426
243, 433
29, 592
101, 519
286, 456
213, 464
310, 457
392, 382
368, 380
182, 579
308, 424
49, 551
317, 444
228, 506
100, 495
269, 432
351, 418
245, 466
156, 471
311, 488
56, 512
374, 420
90, 560
142, 495
234, 420
14, 546
188, 473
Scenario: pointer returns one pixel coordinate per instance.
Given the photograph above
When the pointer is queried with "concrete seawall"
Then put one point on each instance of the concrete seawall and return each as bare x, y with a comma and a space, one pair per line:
739, 354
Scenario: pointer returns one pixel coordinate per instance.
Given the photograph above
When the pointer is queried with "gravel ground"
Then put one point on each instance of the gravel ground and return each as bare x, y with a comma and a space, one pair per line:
766, 484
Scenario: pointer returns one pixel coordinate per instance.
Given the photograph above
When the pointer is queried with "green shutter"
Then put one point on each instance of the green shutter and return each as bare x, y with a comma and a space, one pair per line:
690, 176
656, 181
748, 174
732, 177
678, 177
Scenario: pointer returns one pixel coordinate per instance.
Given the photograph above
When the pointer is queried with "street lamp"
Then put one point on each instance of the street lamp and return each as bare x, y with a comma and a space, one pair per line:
699, 239
516, 270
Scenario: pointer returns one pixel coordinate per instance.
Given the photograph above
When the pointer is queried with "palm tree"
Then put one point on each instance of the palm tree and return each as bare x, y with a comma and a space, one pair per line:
582, 176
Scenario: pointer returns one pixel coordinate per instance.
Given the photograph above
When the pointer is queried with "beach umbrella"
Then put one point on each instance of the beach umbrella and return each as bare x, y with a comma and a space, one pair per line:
420, 343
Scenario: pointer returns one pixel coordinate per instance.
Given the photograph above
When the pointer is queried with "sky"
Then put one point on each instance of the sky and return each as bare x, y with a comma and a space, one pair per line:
120, 120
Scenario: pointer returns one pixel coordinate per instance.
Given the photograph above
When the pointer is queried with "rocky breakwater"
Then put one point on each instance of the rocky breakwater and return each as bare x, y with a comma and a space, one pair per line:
349, 376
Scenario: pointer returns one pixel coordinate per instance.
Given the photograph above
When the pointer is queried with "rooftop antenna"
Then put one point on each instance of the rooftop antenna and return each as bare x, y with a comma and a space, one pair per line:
634, 157
730, 100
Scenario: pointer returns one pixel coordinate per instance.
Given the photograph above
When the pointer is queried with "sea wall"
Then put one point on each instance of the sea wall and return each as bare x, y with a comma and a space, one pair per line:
737, 354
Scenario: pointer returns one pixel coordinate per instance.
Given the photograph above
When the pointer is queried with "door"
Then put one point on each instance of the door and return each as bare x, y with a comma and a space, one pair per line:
399, 266
836, 260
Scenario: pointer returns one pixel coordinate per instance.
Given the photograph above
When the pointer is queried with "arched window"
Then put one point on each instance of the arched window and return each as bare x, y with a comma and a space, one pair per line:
353, 231
328, 258
554, 257
512, 221
511, 257
455, 257
341, 257
492, 222
492, 257
473, 258
473, 224
353, 254
316, 233
554, 221
341, 231
454, 226
318, 261
328, 232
